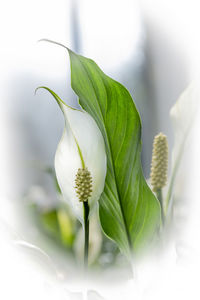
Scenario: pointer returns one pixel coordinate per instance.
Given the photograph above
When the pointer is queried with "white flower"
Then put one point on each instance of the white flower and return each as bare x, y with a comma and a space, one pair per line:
81, 146
182, 114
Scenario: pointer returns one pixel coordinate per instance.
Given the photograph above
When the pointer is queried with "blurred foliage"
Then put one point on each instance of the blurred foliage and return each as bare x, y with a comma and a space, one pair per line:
60, 225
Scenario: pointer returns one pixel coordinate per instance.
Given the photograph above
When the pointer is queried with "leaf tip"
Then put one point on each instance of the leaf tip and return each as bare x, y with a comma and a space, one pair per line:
55, 43
35, 92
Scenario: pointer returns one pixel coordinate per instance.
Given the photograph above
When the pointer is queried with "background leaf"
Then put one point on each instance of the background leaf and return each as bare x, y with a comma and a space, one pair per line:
59, 224
129, 212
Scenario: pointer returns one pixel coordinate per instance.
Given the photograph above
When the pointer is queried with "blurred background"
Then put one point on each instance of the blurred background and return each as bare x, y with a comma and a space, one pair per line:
152, 47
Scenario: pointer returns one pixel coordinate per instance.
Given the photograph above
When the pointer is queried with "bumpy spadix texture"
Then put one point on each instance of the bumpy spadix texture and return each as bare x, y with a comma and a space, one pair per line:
159, 163
83, 184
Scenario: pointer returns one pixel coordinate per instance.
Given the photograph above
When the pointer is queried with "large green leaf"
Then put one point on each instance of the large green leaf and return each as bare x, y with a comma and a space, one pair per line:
129, 212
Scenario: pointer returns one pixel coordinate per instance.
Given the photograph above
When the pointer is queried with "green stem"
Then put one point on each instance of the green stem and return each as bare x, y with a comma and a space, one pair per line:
86, 231
160, 198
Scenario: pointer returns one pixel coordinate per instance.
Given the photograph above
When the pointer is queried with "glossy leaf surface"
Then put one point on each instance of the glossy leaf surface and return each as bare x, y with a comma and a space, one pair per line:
129, 211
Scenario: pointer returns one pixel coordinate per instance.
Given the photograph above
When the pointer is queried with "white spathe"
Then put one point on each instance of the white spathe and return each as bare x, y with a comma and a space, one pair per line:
80, 132
183, 114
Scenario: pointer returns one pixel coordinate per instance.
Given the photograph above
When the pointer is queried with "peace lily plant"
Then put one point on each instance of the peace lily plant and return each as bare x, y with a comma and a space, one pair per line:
80, 163
98, 161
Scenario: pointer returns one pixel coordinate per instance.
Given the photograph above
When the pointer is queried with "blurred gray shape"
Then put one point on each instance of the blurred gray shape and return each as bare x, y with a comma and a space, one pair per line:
93, 295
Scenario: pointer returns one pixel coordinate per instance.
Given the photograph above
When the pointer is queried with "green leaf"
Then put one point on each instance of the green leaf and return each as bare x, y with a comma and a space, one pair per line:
59, 224
129, 212
66, 226
50, 222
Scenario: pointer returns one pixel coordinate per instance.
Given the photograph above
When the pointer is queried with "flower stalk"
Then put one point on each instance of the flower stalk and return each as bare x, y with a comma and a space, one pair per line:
86, 232
160, 199
83, 190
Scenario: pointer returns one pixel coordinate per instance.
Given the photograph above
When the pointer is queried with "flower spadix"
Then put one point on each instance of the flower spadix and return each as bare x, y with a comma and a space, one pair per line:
159, 162
80, 160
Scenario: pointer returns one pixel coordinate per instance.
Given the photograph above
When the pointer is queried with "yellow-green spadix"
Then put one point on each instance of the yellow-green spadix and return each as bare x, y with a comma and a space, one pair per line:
80, 148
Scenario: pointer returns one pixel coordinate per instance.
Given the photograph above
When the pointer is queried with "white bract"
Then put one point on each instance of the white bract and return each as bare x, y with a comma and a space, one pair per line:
182, 114
81, 146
